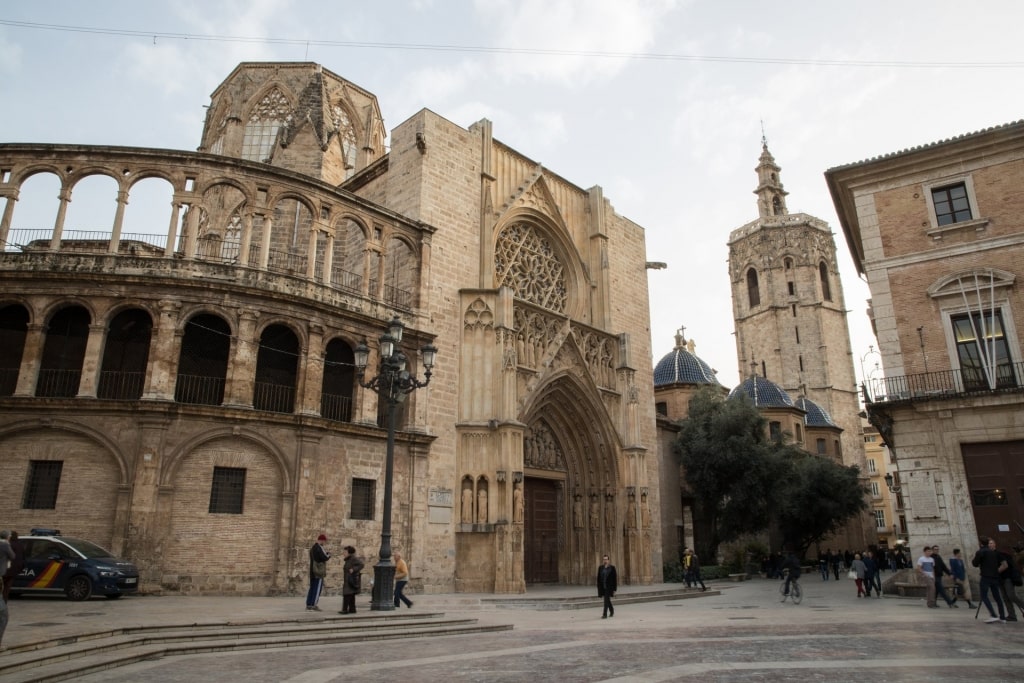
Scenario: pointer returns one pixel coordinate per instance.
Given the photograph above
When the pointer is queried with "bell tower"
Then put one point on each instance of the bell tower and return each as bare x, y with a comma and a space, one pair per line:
789, 312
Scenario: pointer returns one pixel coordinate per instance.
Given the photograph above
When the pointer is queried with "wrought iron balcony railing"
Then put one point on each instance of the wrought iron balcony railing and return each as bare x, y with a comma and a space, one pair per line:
944, 384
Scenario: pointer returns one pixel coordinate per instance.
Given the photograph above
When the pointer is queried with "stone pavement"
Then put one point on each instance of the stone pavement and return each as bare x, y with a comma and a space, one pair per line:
741, 634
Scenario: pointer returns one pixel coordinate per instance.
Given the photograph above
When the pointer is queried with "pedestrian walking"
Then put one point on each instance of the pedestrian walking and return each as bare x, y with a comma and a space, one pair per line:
961, 586
318, 557
941, 570
691, 569
401, 579
987, 560
926, 570
859, 570
607, 584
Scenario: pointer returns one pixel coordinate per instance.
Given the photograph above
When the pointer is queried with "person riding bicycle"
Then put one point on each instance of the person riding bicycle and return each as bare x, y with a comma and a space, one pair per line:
791, 565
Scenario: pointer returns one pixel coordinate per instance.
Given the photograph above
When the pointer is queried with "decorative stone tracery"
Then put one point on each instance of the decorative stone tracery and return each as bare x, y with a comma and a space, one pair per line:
526, 263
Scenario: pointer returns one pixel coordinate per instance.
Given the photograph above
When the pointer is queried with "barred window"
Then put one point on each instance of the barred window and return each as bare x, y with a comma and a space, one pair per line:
227, 492
42, 484
362, 498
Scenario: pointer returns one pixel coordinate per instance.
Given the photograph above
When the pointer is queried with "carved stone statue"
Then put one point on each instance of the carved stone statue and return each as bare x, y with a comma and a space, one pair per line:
517, 503
577, 512
481, 506
467, 505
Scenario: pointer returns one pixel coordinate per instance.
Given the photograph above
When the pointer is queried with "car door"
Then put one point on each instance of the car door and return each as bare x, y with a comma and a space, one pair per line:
46, 566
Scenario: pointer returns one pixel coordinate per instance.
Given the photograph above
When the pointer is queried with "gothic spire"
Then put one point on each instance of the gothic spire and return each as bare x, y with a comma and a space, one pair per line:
771, 198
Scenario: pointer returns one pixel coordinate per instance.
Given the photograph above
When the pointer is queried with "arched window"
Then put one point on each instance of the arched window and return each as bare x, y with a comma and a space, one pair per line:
338, 383
753, 294
277, 363
776, 205
63, 352
13, 329
203, 361
526, 262
265, 120
125, 354
826, 288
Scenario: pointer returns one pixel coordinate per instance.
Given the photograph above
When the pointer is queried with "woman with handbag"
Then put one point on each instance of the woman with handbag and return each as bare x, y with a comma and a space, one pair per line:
858, 570
353, 581
318, 557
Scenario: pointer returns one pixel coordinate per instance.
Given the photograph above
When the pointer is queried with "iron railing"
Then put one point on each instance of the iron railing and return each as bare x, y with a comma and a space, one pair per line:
8, 381
120, 386
53, 383
944, 384
273, 398
336, 407
199, 390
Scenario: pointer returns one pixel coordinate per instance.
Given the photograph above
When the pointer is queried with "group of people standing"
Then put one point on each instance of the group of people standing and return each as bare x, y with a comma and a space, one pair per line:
352, 570
1000, 576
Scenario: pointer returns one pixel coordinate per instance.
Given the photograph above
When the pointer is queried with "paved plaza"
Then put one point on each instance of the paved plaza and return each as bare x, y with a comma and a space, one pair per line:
741, 634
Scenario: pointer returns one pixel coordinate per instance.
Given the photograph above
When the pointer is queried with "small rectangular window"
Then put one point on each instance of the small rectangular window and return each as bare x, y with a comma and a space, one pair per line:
951, 204
362, 498
661, 408
875, 491
792, 288
42, 484
872, 468
775, 431
227, 492
989, 497
879, 519
822, 446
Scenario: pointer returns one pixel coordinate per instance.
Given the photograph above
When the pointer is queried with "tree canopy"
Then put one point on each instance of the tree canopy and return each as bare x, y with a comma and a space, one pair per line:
742, 482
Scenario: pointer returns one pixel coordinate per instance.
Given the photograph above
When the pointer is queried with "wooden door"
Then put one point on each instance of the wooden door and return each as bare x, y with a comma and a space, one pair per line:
541, 522
995, 478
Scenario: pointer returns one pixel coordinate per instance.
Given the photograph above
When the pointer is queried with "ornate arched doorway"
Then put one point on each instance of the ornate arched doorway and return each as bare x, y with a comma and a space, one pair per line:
573, 506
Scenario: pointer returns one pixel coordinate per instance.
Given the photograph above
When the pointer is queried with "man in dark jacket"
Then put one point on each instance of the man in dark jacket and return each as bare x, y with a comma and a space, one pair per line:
607, 584
318, 557
988, 562
1008, 578
941, 570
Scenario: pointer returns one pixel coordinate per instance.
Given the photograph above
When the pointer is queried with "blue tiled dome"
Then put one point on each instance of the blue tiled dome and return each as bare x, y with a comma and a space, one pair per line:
763, 392
816, 415
681, 366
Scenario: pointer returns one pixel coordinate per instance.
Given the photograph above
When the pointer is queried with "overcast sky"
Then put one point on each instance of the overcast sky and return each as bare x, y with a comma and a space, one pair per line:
661, 102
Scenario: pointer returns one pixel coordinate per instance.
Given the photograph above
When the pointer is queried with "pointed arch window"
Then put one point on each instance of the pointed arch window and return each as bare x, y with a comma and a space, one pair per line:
265, 121
753, 293
826, 288
346, 137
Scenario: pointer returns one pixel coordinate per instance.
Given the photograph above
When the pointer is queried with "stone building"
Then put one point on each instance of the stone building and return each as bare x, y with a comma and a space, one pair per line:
178, 385
790, 319
938, 234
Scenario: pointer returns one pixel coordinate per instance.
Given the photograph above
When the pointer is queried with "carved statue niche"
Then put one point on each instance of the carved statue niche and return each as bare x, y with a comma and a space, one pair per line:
595, 513
609, 511
467, 500
577, 512
631, 512
481, 501
517, 503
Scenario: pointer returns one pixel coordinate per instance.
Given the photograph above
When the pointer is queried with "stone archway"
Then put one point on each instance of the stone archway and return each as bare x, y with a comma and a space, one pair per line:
573, 506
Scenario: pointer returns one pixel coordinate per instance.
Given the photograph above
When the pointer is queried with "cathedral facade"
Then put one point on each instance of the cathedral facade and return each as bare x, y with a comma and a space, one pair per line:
181, 388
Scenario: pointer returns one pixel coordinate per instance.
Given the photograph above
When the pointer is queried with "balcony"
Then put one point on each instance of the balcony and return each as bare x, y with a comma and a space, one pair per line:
1009, 377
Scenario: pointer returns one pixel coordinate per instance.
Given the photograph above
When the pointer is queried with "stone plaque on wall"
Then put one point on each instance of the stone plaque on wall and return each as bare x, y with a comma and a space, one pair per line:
439, 506
924, 502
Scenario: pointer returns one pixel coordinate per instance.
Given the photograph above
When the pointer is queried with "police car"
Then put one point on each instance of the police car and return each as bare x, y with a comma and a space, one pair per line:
76, 567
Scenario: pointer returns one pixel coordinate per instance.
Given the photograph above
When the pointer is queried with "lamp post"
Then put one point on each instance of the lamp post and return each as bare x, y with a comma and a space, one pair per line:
392, 384
891, 483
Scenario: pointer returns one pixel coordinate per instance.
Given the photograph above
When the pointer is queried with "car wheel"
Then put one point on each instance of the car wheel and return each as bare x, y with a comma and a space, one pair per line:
78, 588
113, 597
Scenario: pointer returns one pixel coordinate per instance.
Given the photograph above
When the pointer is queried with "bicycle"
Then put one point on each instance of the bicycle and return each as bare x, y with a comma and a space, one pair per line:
795, 594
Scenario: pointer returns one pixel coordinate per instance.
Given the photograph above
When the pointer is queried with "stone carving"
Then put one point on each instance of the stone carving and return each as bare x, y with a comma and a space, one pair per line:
541, 450
481, 506
595, 514
478, 315
517, 503
577, 512
526, 263
467, 505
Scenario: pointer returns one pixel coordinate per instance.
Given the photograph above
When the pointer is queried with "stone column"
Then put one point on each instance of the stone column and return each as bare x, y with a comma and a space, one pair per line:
242, 366
172, 229
311, 371
5, 221
92, 361
115, 234
164, 352
246, 242
31, 359
58, 224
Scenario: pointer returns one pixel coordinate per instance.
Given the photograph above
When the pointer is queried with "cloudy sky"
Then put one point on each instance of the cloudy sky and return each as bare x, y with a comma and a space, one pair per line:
659, 102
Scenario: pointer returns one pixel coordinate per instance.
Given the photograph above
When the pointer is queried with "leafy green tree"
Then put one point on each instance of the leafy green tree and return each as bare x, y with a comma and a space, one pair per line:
730, 468
815, 499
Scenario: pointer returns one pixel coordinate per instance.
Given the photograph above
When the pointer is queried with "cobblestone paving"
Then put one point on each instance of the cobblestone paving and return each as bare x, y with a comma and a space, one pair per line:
742, 635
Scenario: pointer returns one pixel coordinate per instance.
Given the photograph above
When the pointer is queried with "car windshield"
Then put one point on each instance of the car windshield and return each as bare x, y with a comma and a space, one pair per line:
88, 549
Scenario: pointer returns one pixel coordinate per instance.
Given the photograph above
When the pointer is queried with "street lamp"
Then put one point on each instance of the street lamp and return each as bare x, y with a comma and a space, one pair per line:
890, 481
392, 385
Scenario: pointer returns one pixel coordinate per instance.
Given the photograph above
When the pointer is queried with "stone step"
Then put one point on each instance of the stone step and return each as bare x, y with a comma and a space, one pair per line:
592, 601
69, 658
